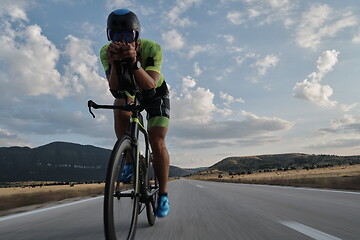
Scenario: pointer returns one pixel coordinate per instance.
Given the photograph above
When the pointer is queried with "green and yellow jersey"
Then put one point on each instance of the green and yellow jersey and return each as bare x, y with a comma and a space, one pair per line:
150, 56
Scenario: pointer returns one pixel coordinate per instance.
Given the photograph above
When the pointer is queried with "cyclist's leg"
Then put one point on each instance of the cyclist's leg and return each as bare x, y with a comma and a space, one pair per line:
158, 123
121, 119
161, 164
161, 156
121, 125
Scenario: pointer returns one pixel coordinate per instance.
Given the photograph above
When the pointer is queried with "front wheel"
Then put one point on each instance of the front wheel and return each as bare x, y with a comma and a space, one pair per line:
121, 200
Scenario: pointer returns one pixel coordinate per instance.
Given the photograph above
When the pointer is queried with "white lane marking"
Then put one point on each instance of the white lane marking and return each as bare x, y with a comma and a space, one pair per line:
199, 186
46, 209
302, 188
308, 231
276, 186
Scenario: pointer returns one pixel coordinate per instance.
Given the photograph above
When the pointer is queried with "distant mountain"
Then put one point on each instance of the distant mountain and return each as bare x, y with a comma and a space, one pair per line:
281, 161
59, 161
195, 170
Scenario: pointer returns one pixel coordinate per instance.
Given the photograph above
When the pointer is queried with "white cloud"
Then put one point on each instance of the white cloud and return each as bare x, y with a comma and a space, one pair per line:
346, 107
252, 125
147, 11
192, 100
254, 60
197, 69
224, 111
112, 5
347, 124
188, 82
253, 13
269, 11
16, 10
174, 15
319, 22
195, 49
265, 63
227, 37
39, 120
240, 59
265, 123
8, 138
30, 80
81, 73
343, 144
325, 64
192, 116
224, 73
88, 29
312, 90
345, 120
228, 99
6, 134
173, 40
116, 4
235, 17
30, 60
235, 49
356, 38
211, 13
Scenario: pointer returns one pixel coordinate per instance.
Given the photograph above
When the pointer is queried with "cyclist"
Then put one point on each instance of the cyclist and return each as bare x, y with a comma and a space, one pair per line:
145, 58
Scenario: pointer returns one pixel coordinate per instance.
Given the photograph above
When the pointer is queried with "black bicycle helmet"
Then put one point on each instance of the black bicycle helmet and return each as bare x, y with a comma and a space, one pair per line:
122, 19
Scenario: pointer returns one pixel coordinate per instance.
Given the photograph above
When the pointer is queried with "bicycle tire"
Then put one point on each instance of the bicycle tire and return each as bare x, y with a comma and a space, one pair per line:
113, 201
152, 184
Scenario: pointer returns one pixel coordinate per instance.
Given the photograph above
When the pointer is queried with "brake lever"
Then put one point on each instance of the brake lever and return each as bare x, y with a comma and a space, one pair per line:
90, 104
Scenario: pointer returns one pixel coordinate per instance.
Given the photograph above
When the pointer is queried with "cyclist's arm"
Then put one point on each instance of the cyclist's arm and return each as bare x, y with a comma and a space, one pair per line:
148, 76
109, 66
146, 79
112, 78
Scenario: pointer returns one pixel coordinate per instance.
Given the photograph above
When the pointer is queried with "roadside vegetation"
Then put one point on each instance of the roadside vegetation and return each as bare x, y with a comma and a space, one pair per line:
301, 170
333, 177
29, 193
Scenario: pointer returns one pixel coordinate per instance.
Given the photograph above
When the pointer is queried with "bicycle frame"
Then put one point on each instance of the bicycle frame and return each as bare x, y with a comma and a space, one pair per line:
135, 127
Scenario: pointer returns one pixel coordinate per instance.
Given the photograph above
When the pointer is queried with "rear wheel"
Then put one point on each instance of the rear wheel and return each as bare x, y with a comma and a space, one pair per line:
152, 186
121, 200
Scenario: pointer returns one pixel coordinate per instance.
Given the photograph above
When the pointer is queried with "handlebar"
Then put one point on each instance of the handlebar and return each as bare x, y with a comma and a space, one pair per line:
129, 108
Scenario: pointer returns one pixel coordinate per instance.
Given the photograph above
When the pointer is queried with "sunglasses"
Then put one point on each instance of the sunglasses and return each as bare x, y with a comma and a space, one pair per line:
127, 36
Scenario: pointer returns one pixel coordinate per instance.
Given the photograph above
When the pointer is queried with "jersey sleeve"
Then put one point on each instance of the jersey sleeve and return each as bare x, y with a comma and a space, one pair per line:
155, 52
103, 58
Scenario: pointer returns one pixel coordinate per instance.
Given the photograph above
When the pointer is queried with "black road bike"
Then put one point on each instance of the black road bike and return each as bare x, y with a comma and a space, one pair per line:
123, 202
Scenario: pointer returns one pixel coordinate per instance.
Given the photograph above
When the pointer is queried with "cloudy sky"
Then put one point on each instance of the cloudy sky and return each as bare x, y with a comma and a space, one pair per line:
246, 76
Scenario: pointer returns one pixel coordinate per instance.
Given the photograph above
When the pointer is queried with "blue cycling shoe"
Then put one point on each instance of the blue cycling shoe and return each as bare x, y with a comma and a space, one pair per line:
163, 206
127, 173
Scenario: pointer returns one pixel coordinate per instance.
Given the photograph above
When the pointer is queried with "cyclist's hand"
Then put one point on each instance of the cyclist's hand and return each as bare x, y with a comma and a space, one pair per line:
113, 53
127, 51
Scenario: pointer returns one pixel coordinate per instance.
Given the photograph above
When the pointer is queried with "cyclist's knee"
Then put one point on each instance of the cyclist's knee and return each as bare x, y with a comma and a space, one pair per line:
121, 119
157, 143
119, 114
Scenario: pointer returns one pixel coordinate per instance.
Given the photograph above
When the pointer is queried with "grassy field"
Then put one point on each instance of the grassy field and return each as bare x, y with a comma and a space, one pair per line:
15, 197
337, 177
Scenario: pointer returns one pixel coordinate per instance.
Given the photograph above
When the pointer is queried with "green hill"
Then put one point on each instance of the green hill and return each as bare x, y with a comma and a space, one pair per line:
59, 161
281, 162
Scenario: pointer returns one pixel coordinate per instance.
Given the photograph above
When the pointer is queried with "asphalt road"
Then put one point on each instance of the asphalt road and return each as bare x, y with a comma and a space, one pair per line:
208, 210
